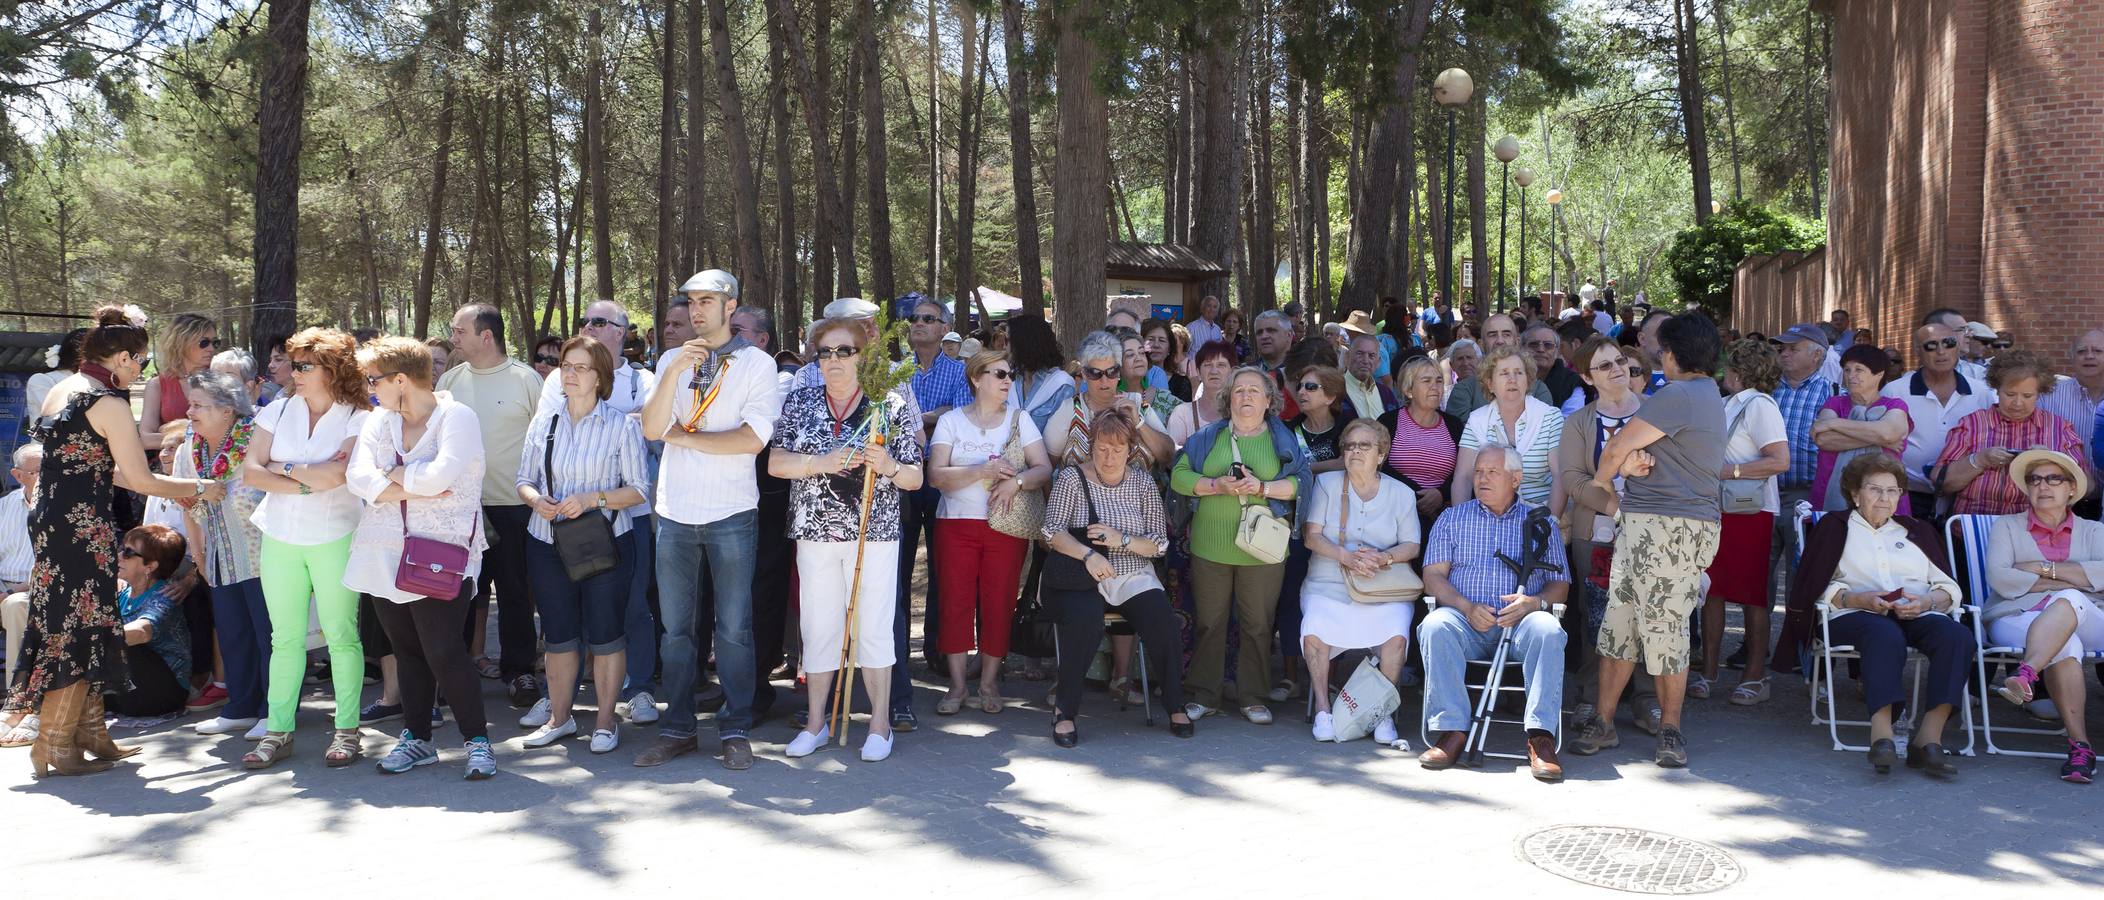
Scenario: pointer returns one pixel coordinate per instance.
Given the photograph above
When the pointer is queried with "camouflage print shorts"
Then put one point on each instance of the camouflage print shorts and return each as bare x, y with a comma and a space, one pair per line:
1655, 584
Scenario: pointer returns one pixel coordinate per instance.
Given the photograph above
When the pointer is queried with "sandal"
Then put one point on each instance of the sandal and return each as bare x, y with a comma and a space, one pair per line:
24, 733
1749, 693
273, 745
949, 704
344, 748
989, 703
1698, 687
488, 668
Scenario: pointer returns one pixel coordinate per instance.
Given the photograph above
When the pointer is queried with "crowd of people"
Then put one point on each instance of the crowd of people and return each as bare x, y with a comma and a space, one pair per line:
1239, 516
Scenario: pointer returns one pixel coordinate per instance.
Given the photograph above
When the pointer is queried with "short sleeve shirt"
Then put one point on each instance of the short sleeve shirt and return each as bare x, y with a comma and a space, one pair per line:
829, 507
971, 445
1683, 478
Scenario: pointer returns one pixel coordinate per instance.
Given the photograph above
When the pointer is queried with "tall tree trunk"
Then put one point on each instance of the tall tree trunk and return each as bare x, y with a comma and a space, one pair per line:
1371, 211
1731, 116
565, 224
1812, 118
1298, 231
1263, 247
934, 133
876, 154
668, 137
1029, 266
745, 188
595, 156
971, 127
280, 114
814, 107
1474, 121
784, 161
850, 150
695, 252
1691, 103
1218, 170
1079, 181
823, 240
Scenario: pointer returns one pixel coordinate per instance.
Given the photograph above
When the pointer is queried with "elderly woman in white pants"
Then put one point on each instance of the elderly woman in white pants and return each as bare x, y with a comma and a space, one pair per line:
2046, 567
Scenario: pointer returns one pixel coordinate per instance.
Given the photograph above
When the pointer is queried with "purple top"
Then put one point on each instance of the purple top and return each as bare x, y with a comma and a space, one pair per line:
1847, 409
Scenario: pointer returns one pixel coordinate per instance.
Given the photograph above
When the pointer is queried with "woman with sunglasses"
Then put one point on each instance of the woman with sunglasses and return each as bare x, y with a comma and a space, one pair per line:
418, 466
1102, 361
547, 355
297, 457
2046, 569
827, 435
978, 566
186, 348
1138, 377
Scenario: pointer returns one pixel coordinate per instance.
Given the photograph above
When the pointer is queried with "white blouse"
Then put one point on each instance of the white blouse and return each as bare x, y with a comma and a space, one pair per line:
1390, 518
448, 457
1535, 435
323, 516
1882, 559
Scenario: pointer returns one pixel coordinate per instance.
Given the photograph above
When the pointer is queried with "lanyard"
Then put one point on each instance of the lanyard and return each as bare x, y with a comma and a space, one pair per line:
840, 416
701, 403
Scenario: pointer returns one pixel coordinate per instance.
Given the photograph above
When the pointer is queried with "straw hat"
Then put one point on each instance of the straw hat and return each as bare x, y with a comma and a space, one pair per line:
1359, 322
2020, 468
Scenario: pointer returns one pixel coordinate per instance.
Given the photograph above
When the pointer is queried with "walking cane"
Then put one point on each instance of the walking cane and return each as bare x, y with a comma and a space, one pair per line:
843, 679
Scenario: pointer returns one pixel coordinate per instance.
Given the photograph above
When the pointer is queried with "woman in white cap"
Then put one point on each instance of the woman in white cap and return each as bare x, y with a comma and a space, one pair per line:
2046, 567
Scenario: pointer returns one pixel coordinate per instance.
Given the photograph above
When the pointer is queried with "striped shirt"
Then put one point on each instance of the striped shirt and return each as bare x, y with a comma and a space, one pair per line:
941, 384
1536, 434
601, 452
17, 557
1424, 455
1800, 405
2070, 401
1469, 537
1993, 493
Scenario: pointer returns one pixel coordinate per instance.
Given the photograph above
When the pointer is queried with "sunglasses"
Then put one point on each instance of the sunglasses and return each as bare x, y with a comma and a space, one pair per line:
844, 351
1003, 374
305, 367
204, 343
1541, 345
372, 381
2001, 345
1311, 385
1095, 374
924, 319
128, 553
1359, 447
601, 322
1608, 366
547, 360
2053, 478
1932, 346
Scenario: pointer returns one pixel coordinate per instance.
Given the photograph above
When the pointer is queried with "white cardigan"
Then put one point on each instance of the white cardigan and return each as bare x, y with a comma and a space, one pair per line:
1880, 559
448, 457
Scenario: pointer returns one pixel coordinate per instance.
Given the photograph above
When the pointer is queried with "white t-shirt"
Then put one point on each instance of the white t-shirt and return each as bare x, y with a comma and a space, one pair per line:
971, 445
323, 516
696, 488
1762, 426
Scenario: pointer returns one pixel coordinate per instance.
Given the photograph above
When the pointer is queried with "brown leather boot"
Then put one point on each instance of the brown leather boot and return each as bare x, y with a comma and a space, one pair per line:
94, 735
55, 750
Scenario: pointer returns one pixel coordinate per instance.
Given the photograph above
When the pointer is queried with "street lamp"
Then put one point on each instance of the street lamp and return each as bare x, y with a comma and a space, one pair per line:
1451, 89
1506, 150
1524, 177
1555, 198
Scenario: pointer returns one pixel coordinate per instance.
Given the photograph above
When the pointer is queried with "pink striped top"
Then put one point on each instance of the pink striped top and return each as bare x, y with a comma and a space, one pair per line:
1426, 455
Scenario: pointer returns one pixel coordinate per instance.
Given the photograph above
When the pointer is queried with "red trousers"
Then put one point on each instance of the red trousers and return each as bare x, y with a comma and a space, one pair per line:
976, 570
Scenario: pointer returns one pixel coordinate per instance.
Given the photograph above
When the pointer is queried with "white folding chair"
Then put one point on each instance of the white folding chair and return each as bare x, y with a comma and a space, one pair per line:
1487, 691
1966, 537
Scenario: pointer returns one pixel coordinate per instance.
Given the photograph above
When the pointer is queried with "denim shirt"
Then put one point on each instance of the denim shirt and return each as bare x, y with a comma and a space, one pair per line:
171, 629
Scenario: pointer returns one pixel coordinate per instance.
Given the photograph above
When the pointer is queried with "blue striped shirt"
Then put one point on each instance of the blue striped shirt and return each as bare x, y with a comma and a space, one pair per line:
1469, 537
1800, 405
603, 451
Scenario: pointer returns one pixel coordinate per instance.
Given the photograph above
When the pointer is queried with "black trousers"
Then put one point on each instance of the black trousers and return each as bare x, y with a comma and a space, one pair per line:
1883, 641
775, 559
429, 656
1081, 630
154, 690
517, 640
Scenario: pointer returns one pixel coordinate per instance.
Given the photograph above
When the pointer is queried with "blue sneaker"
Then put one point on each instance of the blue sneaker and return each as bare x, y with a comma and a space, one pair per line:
408, 753
482, 761
376, 712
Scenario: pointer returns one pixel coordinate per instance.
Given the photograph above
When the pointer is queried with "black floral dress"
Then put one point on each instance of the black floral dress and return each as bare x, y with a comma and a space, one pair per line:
829, 507
75, 632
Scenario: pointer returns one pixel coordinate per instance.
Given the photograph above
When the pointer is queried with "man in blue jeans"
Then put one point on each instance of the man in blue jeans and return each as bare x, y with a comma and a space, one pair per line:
714, 406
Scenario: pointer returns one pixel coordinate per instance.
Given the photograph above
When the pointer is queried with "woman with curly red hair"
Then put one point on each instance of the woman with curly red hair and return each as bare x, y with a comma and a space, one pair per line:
297, 457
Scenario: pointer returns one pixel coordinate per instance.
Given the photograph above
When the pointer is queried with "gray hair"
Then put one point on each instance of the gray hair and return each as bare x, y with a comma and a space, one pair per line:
1100, 345
236, 362
24, 452
940, 309
1284, 321
1463, 344
223, 391
1271, 392
1513, 463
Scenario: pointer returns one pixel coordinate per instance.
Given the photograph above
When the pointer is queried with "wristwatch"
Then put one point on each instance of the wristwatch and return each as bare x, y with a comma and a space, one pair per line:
602, 500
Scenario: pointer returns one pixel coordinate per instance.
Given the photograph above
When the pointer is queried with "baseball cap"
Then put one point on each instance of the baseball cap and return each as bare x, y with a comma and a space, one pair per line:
1803, 331
952, 338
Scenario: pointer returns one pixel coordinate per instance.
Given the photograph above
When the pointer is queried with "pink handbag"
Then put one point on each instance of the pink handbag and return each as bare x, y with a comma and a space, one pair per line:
431, 567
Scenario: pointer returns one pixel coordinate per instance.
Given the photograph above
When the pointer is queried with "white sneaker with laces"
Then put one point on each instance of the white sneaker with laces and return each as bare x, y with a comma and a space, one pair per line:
257, 731
222, 725
538, 716
604, 740
1325, 727
550, 733
876, 747
807, 742
642, 708
1384, 731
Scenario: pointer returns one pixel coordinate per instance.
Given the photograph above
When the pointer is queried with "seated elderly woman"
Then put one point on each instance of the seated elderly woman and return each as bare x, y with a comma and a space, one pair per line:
156, 634
1359, 523
2046, 567
1885, 596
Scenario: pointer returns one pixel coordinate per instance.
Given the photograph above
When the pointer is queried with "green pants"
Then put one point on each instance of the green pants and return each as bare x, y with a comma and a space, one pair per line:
1251, 593
292, 573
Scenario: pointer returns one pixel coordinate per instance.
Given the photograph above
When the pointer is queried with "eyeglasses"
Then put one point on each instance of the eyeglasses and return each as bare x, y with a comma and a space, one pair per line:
1359, 447
1003, 374
1541, 345
601, 322
128, 553
547, 360
1608, 366
374, 380
305, 367
844, 351
2053, 478
578, 368
1931, 346
1311, 385
925, 319
1883, 491
1095, 374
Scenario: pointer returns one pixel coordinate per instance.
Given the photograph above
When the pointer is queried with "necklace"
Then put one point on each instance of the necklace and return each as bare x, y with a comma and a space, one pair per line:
840, 413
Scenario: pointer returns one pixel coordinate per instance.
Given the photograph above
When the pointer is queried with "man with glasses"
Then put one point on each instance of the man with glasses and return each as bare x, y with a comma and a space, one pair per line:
1545, 347
505, 395
1467, 395
1274, 336
2079, 398
1937, 396
606, 322
714, 407
939, 386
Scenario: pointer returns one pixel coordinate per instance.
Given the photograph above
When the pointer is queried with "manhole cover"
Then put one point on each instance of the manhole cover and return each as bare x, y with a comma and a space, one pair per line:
1630, 859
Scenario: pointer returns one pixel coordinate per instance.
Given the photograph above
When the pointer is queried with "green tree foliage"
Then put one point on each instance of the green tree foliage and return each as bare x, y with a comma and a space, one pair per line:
1703, 258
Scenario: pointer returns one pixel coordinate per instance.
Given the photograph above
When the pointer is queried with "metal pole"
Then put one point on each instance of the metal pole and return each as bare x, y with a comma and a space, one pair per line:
1523, 243
1504, 186
1446, 258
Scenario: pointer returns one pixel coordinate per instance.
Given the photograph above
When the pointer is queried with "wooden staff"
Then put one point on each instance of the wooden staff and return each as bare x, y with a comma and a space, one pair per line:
843, 684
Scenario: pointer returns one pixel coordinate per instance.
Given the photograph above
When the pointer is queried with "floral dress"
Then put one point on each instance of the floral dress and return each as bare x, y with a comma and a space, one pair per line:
75, 633
828, 508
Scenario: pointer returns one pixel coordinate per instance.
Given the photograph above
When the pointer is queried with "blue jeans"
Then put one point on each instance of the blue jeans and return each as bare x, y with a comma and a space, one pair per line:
725, 548
1449, 643
586, 613
640, 623
244, 642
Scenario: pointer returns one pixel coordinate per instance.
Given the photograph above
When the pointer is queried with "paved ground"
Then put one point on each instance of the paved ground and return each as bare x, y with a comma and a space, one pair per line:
988, 804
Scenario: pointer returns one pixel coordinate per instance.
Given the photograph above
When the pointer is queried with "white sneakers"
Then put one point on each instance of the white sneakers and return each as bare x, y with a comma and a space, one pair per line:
549, 734
642, 708
1384, 731
807, 742
222, 725
876, 748
604, 741
1325, 727
537, 716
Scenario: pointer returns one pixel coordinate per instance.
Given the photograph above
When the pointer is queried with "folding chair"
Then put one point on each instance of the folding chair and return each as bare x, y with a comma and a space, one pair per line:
1487, 692
1967, 541
1139, 650
1821, 673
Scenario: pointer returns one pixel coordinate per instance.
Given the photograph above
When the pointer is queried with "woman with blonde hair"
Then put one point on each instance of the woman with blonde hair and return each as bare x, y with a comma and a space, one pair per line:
185, 348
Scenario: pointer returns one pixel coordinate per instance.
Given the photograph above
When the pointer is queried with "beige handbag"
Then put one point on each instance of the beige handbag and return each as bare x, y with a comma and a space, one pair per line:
1025, 515
1395, 584
1261, 533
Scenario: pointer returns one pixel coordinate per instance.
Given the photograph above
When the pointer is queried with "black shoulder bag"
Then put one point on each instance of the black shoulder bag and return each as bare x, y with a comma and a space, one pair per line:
1063, 572
586, 543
